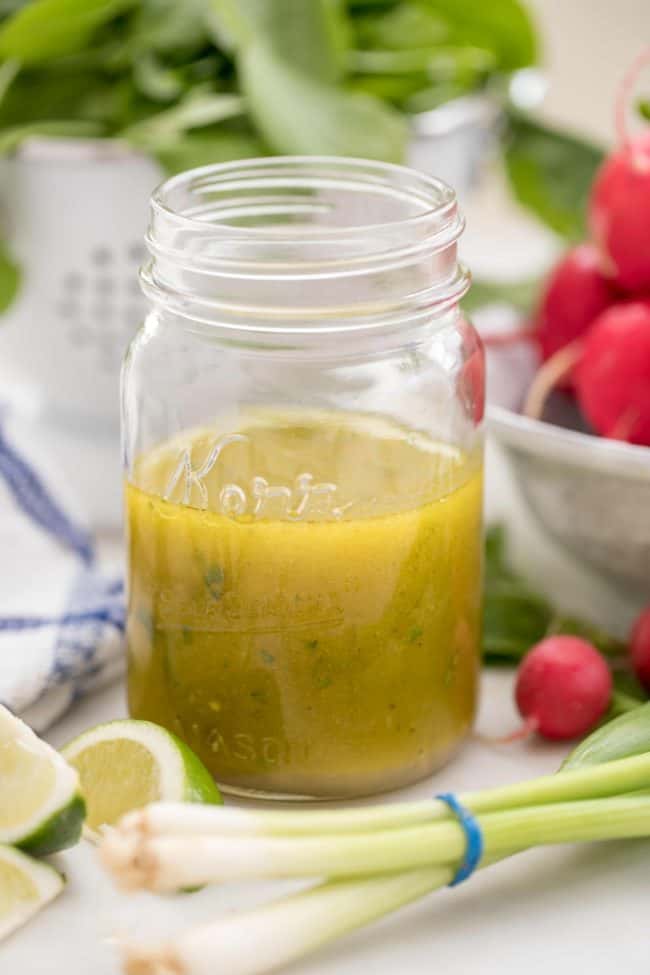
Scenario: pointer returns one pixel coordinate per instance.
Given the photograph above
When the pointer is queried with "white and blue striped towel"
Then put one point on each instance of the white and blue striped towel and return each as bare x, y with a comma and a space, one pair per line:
61, 617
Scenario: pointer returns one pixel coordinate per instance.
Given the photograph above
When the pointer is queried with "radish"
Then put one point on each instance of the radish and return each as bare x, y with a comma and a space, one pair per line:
640, 648
563, 688
610, 369
619, 215
612, 374
619, 206
575, 294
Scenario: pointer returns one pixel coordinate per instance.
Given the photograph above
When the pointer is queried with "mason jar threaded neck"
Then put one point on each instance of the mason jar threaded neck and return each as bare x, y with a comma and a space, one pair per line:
304, 244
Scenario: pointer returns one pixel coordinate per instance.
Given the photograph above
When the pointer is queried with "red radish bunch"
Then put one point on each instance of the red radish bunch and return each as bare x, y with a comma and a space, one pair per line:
593, 321
612, 376
563, 688
575, 294
619, 215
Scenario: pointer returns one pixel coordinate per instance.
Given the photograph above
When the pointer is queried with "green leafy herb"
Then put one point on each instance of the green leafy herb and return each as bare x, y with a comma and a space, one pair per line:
521, 294
10, 278
516, 617
309, 34
198, 109
643, 108
442, 64
298, 115
51, 28
322, 673
169, 27
505, 26
154, 80
571, 626
551, 173
144, 616
214, 579
401, 26
205, 81
12, 137
210, 145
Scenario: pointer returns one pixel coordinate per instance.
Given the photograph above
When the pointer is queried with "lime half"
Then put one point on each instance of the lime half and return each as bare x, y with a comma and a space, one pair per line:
26, 885
124, 765
41, 809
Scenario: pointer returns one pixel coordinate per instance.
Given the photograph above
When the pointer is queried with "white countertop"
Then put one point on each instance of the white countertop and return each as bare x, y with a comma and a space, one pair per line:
547, 910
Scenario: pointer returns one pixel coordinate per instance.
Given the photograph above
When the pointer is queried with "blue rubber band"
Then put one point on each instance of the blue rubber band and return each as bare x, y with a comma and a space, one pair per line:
473, 836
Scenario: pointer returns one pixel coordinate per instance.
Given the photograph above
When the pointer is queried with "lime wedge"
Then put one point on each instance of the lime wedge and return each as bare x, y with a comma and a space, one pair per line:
41, 809
26, 885
124, 765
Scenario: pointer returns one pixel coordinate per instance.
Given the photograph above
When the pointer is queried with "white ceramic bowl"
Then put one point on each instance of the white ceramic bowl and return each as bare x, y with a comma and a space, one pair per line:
591, 494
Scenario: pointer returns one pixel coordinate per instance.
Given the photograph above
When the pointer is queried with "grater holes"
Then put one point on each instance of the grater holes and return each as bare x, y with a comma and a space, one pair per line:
68, 309
100, 305
136, 252
73, 282
132, 287
104, 285
101, 256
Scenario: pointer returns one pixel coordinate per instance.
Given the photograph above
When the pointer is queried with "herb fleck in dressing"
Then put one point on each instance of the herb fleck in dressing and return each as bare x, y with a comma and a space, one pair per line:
333, 652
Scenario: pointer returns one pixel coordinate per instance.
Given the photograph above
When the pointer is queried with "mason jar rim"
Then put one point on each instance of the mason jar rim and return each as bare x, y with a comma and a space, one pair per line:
440, 196
252, 243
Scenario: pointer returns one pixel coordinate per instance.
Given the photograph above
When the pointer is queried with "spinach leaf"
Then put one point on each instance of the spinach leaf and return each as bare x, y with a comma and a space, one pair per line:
434, 95
50, 28
643, 108
40, 96
397, 89
311, 35
8, 71
503, 26
10, 278
10, 138
408, 24
169, 27
516, 617
521, 294
155, 80
199, 148
435, 63
199, 108
297, 114
551, 173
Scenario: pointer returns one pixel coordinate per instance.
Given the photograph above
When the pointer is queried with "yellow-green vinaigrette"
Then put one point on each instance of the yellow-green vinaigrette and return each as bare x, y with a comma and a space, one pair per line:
304, 606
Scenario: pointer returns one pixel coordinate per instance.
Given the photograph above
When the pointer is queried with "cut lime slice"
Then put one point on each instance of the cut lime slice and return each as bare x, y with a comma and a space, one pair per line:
124, 765
41, 809
26, 885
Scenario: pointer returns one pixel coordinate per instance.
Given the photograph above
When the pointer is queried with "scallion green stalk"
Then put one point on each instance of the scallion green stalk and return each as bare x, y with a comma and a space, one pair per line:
607, 779
602, 792
165, 863
276, 934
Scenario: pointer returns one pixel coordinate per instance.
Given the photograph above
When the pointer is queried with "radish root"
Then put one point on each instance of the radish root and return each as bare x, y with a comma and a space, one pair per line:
548, 376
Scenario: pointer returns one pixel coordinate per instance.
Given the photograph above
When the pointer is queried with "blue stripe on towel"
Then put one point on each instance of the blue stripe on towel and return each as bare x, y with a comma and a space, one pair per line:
30, 493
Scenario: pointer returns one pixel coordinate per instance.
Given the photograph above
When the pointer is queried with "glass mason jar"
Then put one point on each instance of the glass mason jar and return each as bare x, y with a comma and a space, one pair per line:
303, 447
